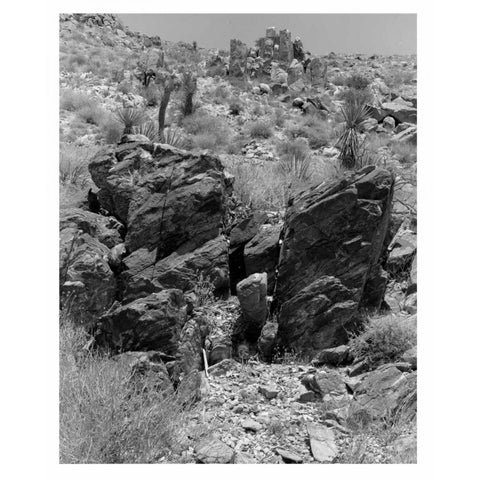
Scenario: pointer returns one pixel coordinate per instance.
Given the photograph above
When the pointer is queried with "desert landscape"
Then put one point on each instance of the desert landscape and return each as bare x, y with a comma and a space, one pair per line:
238, 250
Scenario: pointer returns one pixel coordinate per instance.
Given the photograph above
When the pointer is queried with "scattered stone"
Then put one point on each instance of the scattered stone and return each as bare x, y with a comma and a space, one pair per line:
244, 458
289, 456
213, 450
267, 339
269, 391
410, 356
251, 425
322, 443
333, 356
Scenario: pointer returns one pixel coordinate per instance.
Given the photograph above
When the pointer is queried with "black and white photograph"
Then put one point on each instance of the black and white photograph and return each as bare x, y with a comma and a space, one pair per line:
238, 238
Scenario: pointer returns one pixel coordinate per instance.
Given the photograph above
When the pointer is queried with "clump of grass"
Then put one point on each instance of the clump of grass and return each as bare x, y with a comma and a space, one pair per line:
278, 117
74, 160
206, 131
204, 291
406, 152
221, 93
357, 82
260, 129
316, 130
92, 114
383, 340
297, 166
112, 130
104, 416
72, 100
235, 107
297, 146
151, 95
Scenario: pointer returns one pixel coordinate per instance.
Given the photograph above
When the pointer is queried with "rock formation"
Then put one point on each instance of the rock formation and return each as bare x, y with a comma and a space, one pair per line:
333, 238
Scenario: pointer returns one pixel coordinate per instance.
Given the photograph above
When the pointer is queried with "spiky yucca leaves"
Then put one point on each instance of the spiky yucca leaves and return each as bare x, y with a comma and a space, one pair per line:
297, 165
350, 142
149, 130
190, 87
172, 137
129, 118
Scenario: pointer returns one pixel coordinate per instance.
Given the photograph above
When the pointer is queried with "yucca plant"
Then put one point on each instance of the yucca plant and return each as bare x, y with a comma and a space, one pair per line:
297, 165
129, 118
172, 137
149, 130
350, 142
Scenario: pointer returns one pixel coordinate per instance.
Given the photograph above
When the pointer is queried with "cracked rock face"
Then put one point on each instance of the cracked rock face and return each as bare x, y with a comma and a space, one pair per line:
333, 238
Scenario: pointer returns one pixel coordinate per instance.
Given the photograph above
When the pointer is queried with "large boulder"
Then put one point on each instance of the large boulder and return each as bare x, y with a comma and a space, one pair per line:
87, 283
261, 253
277, 74
107, 230
169, 199
252, 295
295, 71
385, 391
333, 237
143, 275
150, 323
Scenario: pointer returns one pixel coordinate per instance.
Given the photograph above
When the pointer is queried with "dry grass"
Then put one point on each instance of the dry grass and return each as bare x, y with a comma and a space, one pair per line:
383, 340
104, 416
269, 185
206, 131
260, 128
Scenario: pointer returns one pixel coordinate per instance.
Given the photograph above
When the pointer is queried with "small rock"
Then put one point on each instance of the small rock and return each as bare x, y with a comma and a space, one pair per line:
212, 450
241, 457
289, 456
251, 425
268, 391
322, 442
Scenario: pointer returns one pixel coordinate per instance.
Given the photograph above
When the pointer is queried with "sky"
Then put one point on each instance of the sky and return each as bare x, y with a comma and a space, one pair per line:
383, 34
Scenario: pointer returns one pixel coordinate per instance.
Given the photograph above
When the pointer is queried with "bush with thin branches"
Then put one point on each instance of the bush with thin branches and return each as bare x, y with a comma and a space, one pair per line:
105, 417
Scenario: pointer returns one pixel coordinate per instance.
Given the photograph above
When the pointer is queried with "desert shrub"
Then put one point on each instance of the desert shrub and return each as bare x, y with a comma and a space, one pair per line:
75, 61
316, 130
129, 118
269, 186
297, 147
92, 114
260, 129
235, 145
72, 100
216, 71
278, 117
151, 95
353, 95
399, 78
74, 160
221, 93
357, 82
338, 79
124, 87
105, 416
406, 152
206, 131
112, 129
203, 289
383, 340
235, 106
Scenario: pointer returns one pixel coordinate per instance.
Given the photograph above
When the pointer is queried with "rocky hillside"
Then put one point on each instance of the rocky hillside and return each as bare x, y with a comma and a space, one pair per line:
241, 227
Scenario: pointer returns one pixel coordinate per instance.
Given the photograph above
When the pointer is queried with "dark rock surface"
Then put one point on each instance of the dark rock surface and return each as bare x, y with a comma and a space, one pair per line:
333, 238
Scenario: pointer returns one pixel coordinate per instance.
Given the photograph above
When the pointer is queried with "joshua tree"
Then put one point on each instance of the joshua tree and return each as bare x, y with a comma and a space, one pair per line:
190, 87
167, 91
